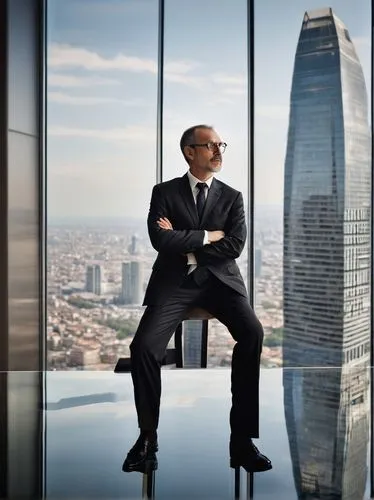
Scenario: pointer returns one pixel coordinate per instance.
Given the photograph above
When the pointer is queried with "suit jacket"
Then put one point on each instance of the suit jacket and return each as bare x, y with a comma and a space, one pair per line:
223, 210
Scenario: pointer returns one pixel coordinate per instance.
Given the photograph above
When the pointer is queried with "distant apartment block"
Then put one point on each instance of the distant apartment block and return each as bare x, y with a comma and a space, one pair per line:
132, 282
93, 279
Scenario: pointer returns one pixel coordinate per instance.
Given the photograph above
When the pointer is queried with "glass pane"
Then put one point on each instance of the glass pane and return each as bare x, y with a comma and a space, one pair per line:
312, 227
101, 161
81, 405
206, 83
312, 233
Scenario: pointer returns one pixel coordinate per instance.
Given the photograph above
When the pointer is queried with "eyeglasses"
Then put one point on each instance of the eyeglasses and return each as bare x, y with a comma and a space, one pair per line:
211, 146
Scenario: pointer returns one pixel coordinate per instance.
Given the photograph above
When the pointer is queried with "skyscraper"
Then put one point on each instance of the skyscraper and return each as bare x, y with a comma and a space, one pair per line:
327, 260
132, 282
326, 200
93, 279
134, 245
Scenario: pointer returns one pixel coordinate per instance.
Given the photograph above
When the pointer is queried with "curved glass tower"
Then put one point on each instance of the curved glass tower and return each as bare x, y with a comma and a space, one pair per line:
327, 262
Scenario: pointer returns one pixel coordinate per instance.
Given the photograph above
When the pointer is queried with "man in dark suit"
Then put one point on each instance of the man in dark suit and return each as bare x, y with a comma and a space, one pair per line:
197, 225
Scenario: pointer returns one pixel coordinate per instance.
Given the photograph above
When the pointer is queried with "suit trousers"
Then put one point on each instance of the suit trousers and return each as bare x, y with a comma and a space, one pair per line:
156, 328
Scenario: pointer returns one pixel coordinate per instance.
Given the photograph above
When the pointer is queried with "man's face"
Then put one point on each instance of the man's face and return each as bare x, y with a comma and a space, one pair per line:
205, 159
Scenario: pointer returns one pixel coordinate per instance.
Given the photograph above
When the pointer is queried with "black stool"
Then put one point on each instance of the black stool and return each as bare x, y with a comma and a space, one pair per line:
148, 489
175, 355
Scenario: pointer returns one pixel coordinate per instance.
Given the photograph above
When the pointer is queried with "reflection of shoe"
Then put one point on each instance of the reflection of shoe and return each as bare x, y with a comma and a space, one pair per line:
249, 457
142, 456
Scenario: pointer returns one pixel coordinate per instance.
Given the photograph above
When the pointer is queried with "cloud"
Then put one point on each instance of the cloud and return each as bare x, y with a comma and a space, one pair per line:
191, 81
67, 56
70, 81
178, 71
62, 98
223, 83
130, 133
63, 55
180, 67
234, 91
224, 79
230, 84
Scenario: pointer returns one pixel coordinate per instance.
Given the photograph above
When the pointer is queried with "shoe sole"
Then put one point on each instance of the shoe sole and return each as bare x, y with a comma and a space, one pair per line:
234, 464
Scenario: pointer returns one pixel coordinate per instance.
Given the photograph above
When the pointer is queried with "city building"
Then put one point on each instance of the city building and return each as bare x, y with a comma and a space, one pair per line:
327, 200
83, 356
93, 279
327, 263
134, 245
258, 262
132, 282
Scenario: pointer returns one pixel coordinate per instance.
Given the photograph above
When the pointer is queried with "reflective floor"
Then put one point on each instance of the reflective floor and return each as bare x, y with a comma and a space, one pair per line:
314, 427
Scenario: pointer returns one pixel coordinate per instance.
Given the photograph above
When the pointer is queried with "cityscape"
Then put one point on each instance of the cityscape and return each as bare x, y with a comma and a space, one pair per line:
96, 281
98, 270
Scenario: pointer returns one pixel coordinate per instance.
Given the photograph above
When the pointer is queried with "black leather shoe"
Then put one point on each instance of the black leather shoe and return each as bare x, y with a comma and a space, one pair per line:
248, 456
142, 456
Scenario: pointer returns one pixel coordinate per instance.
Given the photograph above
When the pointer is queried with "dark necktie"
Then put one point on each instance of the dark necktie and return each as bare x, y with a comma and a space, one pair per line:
200, 198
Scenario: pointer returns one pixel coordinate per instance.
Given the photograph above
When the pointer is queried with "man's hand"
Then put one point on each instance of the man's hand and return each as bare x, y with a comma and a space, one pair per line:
164, 223
214, 236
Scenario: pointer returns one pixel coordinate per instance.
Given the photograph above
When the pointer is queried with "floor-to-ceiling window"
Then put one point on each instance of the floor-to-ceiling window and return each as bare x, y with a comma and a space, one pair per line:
101, 162
312, 179
101, 154
205, 82
311, 167
312, 231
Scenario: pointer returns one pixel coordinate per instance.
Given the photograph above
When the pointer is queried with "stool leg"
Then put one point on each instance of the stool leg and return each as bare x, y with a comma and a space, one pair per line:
250, 481
204, 344
148, 490
237, 483
178, 346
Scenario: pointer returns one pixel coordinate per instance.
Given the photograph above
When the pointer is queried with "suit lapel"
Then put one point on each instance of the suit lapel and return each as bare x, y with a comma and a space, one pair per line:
213, 195
186, 194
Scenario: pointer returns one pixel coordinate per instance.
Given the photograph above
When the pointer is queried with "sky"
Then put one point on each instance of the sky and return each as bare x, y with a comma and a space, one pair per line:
102, 94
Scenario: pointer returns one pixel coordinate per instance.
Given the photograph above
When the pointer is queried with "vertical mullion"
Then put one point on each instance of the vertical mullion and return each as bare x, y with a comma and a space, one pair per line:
43, 312
4, 340
251, 149
371, 281
160, 91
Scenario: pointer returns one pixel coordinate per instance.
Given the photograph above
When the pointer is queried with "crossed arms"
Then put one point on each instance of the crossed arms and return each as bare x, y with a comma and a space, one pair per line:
227, 244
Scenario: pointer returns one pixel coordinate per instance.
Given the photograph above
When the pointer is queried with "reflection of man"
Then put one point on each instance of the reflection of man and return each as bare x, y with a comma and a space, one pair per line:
197, 225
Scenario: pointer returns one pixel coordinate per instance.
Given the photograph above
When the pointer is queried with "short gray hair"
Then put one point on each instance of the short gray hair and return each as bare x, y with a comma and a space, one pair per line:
188, 137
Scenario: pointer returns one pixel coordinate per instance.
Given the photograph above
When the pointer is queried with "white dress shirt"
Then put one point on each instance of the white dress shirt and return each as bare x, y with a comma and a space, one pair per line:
191, 259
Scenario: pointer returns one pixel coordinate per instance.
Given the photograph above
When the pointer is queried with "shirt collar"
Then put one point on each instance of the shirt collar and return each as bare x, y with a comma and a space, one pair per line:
194, 180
